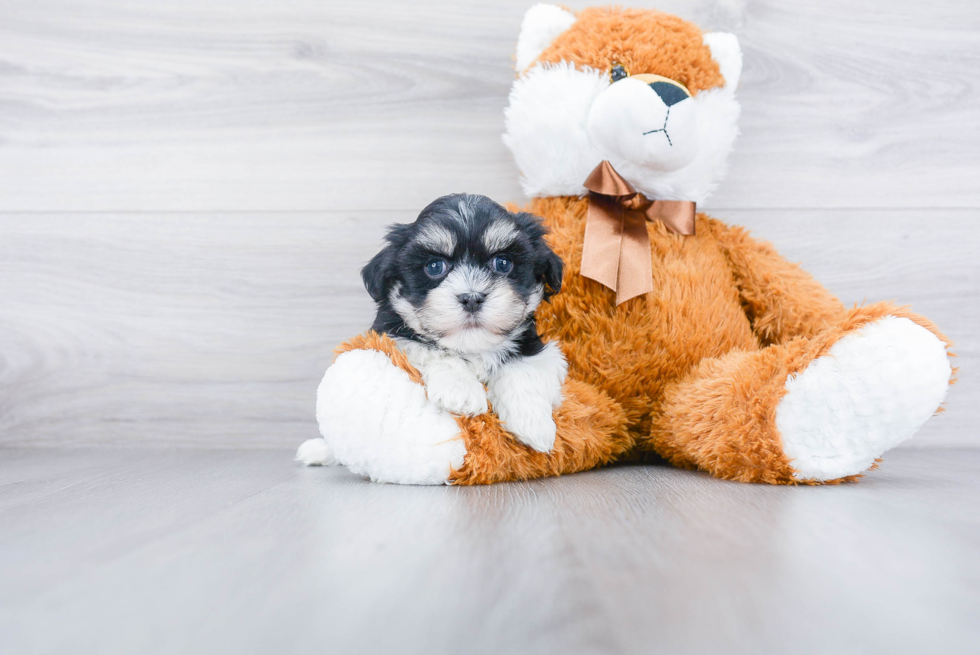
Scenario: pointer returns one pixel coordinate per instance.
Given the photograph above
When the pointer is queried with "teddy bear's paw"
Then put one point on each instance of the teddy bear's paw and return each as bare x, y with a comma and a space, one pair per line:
874, 389
379, 423
315, 452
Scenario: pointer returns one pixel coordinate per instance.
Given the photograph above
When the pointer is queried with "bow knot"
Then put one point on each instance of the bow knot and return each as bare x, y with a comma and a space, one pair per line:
616, 252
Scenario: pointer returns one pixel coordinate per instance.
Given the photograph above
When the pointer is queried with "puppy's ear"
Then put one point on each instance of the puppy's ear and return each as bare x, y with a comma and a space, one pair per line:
379, 274
549, 266
554, 268
382, 271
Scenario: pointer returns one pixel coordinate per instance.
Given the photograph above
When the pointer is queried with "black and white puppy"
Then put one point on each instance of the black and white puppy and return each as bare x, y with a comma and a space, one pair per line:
457, 289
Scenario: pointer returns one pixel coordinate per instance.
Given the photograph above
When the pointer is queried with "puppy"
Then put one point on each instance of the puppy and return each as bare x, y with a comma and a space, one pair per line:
457, 290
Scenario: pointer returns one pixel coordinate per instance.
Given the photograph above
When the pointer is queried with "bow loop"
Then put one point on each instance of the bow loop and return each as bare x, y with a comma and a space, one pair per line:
606, 181
616, 252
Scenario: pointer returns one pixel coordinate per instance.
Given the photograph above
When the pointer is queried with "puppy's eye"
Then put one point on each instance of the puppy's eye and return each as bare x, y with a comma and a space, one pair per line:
436, 268
502, 264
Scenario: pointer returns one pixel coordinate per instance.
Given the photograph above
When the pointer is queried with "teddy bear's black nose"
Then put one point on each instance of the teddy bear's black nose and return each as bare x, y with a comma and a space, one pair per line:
671, 94
471, 302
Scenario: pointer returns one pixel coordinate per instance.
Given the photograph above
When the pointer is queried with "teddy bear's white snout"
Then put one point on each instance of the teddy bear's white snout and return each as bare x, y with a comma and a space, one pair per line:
647, 122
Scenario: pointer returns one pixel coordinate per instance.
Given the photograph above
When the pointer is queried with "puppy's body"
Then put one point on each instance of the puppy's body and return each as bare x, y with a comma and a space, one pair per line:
458, 290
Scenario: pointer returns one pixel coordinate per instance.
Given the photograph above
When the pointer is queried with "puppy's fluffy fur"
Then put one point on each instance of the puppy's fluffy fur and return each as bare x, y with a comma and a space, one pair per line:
458, 289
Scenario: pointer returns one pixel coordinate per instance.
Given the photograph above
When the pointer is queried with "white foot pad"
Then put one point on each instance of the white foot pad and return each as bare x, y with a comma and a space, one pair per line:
379, 423
874, 389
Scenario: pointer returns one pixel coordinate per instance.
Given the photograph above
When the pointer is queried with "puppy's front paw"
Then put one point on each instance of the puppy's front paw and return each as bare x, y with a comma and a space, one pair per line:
457, 394
530, 421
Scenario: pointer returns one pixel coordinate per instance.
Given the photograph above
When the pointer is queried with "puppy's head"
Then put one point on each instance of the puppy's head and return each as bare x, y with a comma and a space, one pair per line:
467, 274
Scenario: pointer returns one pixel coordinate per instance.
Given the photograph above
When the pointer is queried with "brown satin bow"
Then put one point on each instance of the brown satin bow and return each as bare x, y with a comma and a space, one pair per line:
616, 252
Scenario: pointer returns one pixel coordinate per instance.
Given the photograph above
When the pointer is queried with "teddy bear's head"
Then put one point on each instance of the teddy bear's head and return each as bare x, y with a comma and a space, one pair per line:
642, 89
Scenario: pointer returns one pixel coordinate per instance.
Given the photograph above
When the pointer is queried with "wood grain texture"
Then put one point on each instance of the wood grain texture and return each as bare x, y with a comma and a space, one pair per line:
144, 551
214, 329
113, 105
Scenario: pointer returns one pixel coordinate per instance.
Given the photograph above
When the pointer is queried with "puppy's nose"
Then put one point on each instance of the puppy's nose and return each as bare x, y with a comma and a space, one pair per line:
471, 302
671, 94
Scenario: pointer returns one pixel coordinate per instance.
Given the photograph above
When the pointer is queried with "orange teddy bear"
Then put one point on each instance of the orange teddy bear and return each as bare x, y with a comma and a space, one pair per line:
685, 338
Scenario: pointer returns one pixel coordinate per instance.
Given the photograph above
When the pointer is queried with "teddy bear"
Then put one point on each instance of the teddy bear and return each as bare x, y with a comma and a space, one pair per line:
687, 340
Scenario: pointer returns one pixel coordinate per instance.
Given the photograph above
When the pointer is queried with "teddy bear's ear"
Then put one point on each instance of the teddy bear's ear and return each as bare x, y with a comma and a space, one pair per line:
726, 51
542, 25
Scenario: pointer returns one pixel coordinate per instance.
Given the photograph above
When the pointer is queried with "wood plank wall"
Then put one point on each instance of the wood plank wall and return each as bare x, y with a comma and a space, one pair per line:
188, 188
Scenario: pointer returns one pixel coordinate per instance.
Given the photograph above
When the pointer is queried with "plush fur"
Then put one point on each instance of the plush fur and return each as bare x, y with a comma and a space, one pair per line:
379, 423
841, 412
738, 363
565, 115
542, 24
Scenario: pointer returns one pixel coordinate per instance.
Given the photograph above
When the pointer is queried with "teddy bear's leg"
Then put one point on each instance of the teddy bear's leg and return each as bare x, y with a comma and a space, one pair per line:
810, 410
375, 419
591, 431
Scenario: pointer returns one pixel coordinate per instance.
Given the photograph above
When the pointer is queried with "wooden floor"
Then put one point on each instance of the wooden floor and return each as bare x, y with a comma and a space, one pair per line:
241, 551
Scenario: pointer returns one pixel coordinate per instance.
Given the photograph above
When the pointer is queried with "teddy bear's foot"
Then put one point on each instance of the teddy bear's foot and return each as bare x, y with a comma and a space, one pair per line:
378, 422
872, 390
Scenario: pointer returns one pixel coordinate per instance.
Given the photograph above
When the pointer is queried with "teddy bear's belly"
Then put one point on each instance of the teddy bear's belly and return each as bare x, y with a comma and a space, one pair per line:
635, 350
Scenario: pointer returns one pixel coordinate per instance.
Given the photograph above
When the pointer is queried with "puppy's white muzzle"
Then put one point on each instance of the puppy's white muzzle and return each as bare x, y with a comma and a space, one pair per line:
648, 122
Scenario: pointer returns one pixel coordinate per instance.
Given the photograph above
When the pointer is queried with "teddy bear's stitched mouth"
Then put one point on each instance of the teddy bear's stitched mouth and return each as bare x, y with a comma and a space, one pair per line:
663, 129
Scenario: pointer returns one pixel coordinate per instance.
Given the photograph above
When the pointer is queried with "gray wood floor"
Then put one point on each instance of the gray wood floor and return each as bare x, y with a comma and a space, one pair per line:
238, 551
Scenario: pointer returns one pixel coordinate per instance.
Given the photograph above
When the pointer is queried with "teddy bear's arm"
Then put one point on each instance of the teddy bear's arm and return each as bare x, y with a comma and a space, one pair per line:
781, 300
376, 420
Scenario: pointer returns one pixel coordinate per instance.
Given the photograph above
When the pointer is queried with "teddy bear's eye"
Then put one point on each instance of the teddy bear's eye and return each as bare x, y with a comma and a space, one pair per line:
618, 72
